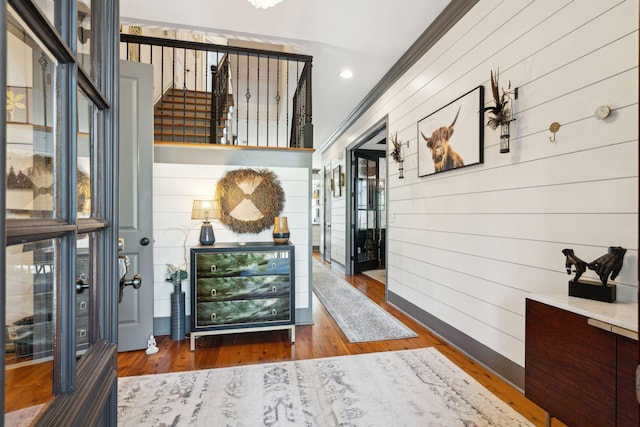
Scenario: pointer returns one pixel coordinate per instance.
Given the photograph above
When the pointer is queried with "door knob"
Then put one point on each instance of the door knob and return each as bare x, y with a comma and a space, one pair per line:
82, 283
144, 241
135, 282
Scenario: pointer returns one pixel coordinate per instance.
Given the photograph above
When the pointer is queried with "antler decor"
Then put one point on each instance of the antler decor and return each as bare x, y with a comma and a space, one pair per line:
396, 154
501, 113
606, 266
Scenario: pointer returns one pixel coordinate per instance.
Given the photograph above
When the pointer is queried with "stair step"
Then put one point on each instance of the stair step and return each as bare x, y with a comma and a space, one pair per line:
185, 115
179, 99
188, 93
188, 118
188, 131
180, 127
179, 124
193, 137
181, 134
180, 138
181, 106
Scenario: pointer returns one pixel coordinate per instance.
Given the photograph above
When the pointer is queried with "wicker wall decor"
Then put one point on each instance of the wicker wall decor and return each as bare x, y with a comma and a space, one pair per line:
249, 199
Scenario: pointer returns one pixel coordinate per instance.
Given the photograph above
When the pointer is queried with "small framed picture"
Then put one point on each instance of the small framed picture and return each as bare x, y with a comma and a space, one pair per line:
336, 180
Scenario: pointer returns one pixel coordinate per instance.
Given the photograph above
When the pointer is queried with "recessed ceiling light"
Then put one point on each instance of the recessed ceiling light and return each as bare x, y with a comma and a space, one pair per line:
346, 74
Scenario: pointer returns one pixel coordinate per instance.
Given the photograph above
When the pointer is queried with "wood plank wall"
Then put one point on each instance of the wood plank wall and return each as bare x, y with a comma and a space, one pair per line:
467, 246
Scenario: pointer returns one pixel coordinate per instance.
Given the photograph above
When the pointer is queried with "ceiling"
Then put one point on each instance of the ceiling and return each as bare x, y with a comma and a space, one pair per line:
366, 36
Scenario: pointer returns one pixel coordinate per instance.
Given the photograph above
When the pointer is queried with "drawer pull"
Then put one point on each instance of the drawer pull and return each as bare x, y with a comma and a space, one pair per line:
274, 288
274, 312
83, 305
213, 292
213, 316
213, 268
273, 265
83, 333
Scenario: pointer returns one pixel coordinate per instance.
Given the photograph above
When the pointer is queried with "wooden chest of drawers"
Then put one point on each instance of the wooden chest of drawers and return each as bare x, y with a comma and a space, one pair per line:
242, 288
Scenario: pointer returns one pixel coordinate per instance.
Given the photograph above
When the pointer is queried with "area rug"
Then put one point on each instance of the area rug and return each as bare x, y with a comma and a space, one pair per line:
400, 388
22, 417
379, 275
357, 316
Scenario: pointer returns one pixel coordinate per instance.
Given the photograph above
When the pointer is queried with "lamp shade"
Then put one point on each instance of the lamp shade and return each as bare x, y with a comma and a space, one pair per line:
205, 210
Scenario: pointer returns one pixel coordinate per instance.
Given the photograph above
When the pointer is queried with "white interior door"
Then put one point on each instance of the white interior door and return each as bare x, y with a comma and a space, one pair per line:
135, 311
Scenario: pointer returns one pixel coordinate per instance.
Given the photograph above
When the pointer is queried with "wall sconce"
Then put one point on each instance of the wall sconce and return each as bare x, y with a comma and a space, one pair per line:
396, 154
502, 113
505, 130
205, 210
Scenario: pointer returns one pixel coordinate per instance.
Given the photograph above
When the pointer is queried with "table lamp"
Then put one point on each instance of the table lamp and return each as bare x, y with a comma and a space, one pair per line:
206, 210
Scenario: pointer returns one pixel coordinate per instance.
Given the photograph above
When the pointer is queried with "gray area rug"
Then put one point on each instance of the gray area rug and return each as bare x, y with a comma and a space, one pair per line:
399, 388
359, 318
22, 417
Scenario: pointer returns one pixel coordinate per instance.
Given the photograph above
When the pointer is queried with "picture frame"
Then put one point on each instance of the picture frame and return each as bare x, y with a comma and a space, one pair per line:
19, 104
452, 137
336, 180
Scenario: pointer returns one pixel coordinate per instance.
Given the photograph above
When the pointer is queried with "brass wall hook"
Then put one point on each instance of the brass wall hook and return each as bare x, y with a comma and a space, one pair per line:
555, 126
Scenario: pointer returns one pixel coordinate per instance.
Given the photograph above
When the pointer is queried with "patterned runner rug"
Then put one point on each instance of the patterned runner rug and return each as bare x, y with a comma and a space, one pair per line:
359, 318
399, 388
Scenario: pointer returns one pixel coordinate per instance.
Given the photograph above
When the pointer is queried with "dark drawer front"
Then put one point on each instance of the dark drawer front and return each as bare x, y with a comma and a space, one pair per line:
82, 303
82, 332
225, 264
242, 312
251, 287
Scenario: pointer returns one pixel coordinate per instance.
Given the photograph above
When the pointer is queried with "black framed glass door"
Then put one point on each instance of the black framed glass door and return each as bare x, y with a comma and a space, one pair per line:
59, 209
368, 226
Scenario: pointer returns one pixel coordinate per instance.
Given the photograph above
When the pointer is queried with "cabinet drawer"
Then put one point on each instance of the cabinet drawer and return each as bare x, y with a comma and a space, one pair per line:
249, 287
218, 264
242, 312
82, 303
82, 331
570, 366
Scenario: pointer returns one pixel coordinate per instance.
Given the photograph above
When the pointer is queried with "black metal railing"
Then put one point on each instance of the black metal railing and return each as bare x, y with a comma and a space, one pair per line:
207, 93
302, 130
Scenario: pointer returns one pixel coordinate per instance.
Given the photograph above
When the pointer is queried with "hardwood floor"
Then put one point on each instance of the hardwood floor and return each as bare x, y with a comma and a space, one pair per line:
31, 385
322, 339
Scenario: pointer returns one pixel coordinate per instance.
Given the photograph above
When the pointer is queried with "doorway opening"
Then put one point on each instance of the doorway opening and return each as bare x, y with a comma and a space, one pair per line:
368, 202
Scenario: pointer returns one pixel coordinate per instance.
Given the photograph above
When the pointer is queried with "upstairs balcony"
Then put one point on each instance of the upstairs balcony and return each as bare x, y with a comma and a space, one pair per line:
216, 94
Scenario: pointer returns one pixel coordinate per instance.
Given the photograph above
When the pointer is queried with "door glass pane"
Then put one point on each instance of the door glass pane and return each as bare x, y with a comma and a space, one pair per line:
30, 323
366, 238
85, 35
84, 280
31, 158
48, 8
86, 126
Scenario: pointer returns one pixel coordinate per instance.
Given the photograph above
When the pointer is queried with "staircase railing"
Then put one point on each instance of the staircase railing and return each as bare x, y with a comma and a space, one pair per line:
207, 93
302, 130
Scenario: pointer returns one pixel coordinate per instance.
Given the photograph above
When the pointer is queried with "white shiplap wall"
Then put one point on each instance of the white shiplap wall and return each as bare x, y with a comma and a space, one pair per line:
176, 185
338, 218
467, 246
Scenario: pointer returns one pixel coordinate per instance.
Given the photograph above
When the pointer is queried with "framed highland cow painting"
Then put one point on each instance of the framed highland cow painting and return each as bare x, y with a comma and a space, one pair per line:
452, 137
